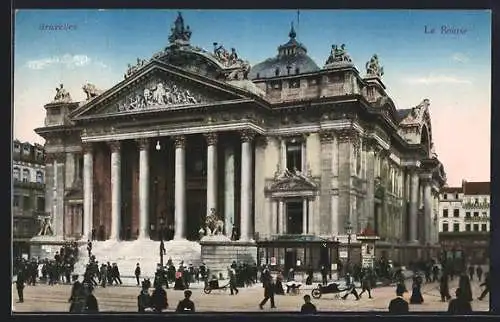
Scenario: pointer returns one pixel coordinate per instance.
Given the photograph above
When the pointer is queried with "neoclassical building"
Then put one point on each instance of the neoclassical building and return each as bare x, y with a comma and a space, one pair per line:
283, 148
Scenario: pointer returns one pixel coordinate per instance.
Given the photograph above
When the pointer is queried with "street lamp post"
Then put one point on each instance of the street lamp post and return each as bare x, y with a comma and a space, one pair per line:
348, 230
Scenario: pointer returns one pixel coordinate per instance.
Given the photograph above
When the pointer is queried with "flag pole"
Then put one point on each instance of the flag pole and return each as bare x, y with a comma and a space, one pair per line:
298, 21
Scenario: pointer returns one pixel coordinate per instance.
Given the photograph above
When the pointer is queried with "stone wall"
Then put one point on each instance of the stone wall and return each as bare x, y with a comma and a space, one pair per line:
218, 255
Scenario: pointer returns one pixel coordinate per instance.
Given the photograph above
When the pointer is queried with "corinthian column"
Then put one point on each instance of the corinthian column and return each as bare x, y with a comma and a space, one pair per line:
211, 172
427, 210
143, 189
246, 185
115, 190
180, 188
414, 191
229, 189
88, 188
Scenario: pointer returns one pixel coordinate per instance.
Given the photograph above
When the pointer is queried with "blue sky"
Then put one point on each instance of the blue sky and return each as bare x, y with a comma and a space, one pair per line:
453, 71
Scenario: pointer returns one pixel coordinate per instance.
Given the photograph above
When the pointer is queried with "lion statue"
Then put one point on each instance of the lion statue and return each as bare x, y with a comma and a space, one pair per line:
214, 226
91, 90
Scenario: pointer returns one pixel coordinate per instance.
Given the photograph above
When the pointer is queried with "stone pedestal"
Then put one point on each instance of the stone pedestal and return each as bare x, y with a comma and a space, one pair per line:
42, 247
219, 253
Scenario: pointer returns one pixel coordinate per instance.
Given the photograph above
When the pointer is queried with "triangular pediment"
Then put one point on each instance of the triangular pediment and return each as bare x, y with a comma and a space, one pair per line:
159, 86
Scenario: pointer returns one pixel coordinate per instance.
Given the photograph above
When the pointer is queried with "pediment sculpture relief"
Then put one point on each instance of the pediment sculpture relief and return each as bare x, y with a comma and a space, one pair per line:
287, 180
159, 94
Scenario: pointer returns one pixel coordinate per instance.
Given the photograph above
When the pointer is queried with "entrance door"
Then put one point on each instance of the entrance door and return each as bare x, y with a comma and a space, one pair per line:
289, 260
324, 257
294, 217
195, 210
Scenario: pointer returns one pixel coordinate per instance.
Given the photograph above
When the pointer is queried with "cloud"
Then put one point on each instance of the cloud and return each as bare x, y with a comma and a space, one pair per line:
460, 58
70, 61
438, 79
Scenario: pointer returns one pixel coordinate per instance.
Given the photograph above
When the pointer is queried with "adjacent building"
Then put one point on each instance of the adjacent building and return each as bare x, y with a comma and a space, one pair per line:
464, 219
28, 196
288, 151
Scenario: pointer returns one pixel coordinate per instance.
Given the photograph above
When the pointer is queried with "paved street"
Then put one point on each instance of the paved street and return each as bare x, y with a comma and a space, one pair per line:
44, 298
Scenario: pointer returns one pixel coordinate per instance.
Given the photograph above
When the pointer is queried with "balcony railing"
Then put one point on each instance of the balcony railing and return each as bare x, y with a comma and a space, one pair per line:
476, 205
477, 218
29, 185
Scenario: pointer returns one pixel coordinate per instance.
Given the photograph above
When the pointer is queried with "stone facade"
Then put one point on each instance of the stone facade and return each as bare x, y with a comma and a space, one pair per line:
298, 153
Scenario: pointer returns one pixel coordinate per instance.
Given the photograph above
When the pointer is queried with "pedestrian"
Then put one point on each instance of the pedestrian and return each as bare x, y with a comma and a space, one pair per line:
444, 289
91, 305
459, 305
137, 273
308, 307
366, 285
186, 305
89, 247
232, 281
20, 280
324, 275
351, 288
416, 293
116, 274
144, 299
479, 272
78, 297
159, 300
465, 288
487, 285
399, 305
471, 272
267, 282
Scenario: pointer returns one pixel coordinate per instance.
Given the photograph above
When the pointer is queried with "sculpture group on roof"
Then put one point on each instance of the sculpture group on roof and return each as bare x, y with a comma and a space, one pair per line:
338, 55
231, 60
132, 69
91, 91
62, 96
180, 34
160, 94
373, 67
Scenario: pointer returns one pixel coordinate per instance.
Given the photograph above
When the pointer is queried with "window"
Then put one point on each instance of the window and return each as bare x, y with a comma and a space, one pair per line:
467, 214
312, 82
445, 196
467, 227
39, 177
16, 173
17, 147
16, 201
476, 201
456, 196
295, 83
484, 227
476, 213
294, 156
297, 70
26, 175
476, 227
456, 227
258, 75
445, 227
456, 213
485, 214
26, 149
445, 213
277, 72
40, 204
26, 203
276, 85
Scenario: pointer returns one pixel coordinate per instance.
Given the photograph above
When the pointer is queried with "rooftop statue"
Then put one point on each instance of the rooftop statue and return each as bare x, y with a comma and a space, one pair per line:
231, 60
45, 226
338, 55
132, 69
373, 67
180, 34
62, 96
90, 90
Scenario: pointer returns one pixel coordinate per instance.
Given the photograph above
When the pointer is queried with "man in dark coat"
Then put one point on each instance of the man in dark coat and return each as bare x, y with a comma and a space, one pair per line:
308, 307
465, 288
91, 304
487, 285
471, 272
460, 305
144, 299
267, 282
21, 279
186, 305
366, 284
444, 289
479, 272
232, 281
351, 288
137, 273
399, 305
159, 299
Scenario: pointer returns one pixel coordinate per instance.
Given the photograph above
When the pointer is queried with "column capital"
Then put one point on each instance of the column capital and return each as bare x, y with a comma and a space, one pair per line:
87, 147
179, 141
247, 135
59, 157
114, 146
211, 138
143, 143
326, 136
346, 135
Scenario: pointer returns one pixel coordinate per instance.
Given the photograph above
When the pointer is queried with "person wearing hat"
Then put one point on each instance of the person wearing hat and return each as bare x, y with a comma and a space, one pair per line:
91, 305
308, 307
144, 299
461, 304
186, 305
399, 305
159, 300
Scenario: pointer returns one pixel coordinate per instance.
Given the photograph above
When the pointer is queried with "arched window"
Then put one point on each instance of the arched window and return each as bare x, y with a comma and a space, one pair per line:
26, 175
39, 176
16, 174
277, 72
297, 70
